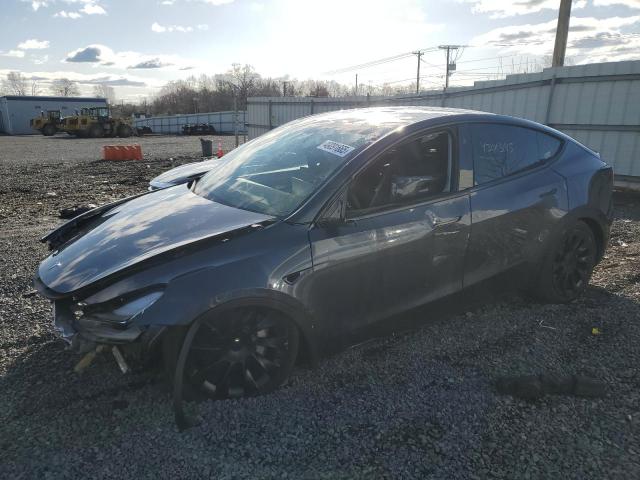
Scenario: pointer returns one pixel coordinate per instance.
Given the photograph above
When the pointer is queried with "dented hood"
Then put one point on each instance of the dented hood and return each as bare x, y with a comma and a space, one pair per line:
135, 231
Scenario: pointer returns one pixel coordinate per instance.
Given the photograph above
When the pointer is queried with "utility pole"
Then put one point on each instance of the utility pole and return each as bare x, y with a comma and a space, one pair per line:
284, 88
235, 116
562, 32
356, 84
419, 53
451, 66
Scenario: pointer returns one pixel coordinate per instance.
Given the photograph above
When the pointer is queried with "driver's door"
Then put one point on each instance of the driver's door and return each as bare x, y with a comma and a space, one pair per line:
393, 251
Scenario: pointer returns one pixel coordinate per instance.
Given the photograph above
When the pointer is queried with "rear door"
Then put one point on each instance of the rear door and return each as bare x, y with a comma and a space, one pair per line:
515, 195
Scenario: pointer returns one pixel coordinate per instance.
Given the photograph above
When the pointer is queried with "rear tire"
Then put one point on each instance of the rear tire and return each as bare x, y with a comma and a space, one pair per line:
235, 353
49, 130
567, 265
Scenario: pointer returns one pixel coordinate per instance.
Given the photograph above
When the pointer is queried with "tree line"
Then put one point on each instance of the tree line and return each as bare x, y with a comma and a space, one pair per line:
205, 93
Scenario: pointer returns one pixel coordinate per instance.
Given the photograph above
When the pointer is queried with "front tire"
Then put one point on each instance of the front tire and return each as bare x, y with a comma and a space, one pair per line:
235, 353
49, 130
96, 131
568, 265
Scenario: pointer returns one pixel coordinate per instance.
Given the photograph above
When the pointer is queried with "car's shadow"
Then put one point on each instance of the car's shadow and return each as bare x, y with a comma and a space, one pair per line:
444, 356
485, 293
41, 380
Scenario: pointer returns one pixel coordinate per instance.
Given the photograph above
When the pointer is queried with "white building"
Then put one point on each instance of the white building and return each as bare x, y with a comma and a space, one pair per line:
17, 111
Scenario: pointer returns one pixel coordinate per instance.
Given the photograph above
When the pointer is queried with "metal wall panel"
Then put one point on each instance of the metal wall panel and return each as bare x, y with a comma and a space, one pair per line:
223, 122
597, 104
16, 112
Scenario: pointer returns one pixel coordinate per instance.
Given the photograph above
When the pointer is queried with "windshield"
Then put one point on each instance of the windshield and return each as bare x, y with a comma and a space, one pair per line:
278, 171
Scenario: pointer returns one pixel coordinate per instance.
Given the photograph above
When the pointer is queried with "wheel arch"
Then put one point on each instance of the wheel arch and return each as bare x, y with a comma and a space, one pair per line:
592, 217
598, 234
597, 222
273, 300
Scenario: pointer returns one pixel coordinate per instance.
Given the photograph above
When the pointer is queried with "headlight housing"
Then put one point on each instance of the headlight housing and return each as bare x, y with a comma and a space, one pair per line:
120, 311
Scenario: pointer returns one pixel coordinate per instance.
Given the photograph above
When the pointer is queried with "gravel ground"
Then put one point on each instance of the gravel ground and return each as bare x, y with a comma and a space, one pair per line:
417, 403
38, 149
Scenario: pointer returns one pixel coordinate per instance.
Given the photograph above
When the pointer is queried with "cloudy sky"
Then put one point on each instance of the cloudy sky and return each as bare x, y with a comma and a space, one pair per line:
138, 45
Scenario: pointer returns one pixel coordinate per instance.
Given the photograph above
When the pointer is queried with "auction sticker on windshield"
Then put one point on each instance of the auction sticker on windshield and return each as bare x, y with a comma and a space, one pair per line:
339, 149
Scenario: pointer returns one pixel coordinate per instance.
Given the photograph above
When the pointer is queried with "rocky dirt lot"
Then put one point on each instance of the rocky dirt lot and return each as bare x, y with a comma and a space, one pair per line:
417, 403
38, 149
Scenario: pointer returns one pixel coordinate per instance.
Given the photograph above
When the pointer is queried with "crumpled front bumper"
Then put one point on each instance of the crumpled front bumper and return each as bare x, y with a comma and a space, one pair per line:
84, 334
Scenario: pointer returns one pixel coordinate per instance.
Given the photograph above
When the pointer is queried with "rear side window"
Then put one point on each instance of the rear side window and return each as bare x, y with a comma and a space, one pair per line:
502, 150
548, 146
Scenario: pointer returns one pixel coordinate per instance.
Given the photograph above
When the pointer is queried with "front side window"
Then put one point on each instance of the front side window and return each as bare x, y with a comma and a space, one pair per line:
407, 173
275, 173
501, 150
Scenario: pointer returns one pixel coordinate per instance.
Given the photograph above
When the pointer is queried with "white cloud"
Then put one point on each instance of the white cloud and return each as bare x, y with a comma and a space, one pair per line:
97, 78
502, 8
93, 9
591, 40
86, 7
65, 14
39, 60
156, 27
215, 3
607, 3
33, 44
37, 4
102, 56
13, 53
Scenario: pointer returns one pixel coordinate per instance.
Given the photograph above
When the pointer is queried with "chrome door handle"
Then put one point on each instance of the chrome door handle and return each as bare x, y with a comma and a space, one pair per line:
438, 222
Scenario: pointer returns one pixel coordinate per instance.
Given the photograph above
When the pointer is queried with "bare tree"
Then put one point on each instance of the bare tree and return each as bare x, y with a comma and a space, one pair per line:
103, 90
215, 93
63, 87
35, 87
15, 84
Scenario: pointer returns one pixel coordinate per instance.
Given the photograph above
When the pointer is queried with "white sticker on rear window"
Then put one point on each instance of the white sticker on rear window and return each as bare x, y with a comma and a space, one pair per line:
339, 149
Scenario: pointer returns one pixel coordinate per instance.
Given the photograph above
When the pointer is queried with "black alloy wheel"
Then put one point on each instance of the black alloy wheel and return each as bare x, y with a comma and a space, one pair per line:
573, 262
241, 353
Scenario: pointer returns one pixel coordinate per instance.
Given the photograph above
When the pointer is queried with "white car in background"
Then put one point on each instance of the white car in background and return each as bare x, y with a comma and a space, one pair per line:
182, 174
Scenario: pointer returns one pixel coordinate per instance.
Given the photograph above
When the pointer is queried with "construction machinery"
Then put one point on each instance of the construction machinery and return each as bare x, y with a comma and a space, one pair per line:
97, 122
47, 124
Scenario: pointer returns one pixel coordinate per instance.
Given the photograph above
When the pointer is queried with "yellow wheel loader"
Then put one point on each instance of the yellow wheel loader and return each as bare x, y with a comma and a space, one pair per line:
97, 123
47, 124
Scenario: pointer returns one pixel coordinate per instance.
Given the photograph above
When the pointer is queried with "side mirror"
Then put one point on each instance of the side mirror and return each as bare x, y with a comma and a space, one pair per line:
330, 222
334, 215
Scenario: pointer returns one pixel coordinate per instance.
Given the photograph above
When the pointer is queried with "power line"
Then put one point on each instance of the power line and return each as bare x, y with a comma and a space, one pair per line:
373, 63
490, 58
380, 61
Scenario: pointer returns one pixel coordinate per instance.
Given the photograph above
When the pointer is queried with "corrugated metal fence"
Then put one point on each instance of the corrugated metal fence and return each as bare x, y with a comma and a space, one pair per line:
223, 122
597, 104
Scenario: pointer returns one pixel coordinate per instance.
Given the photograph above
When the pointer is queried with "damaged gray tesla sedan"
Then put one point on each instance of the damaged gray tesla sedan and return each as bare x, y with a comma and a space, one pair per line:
323, 226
